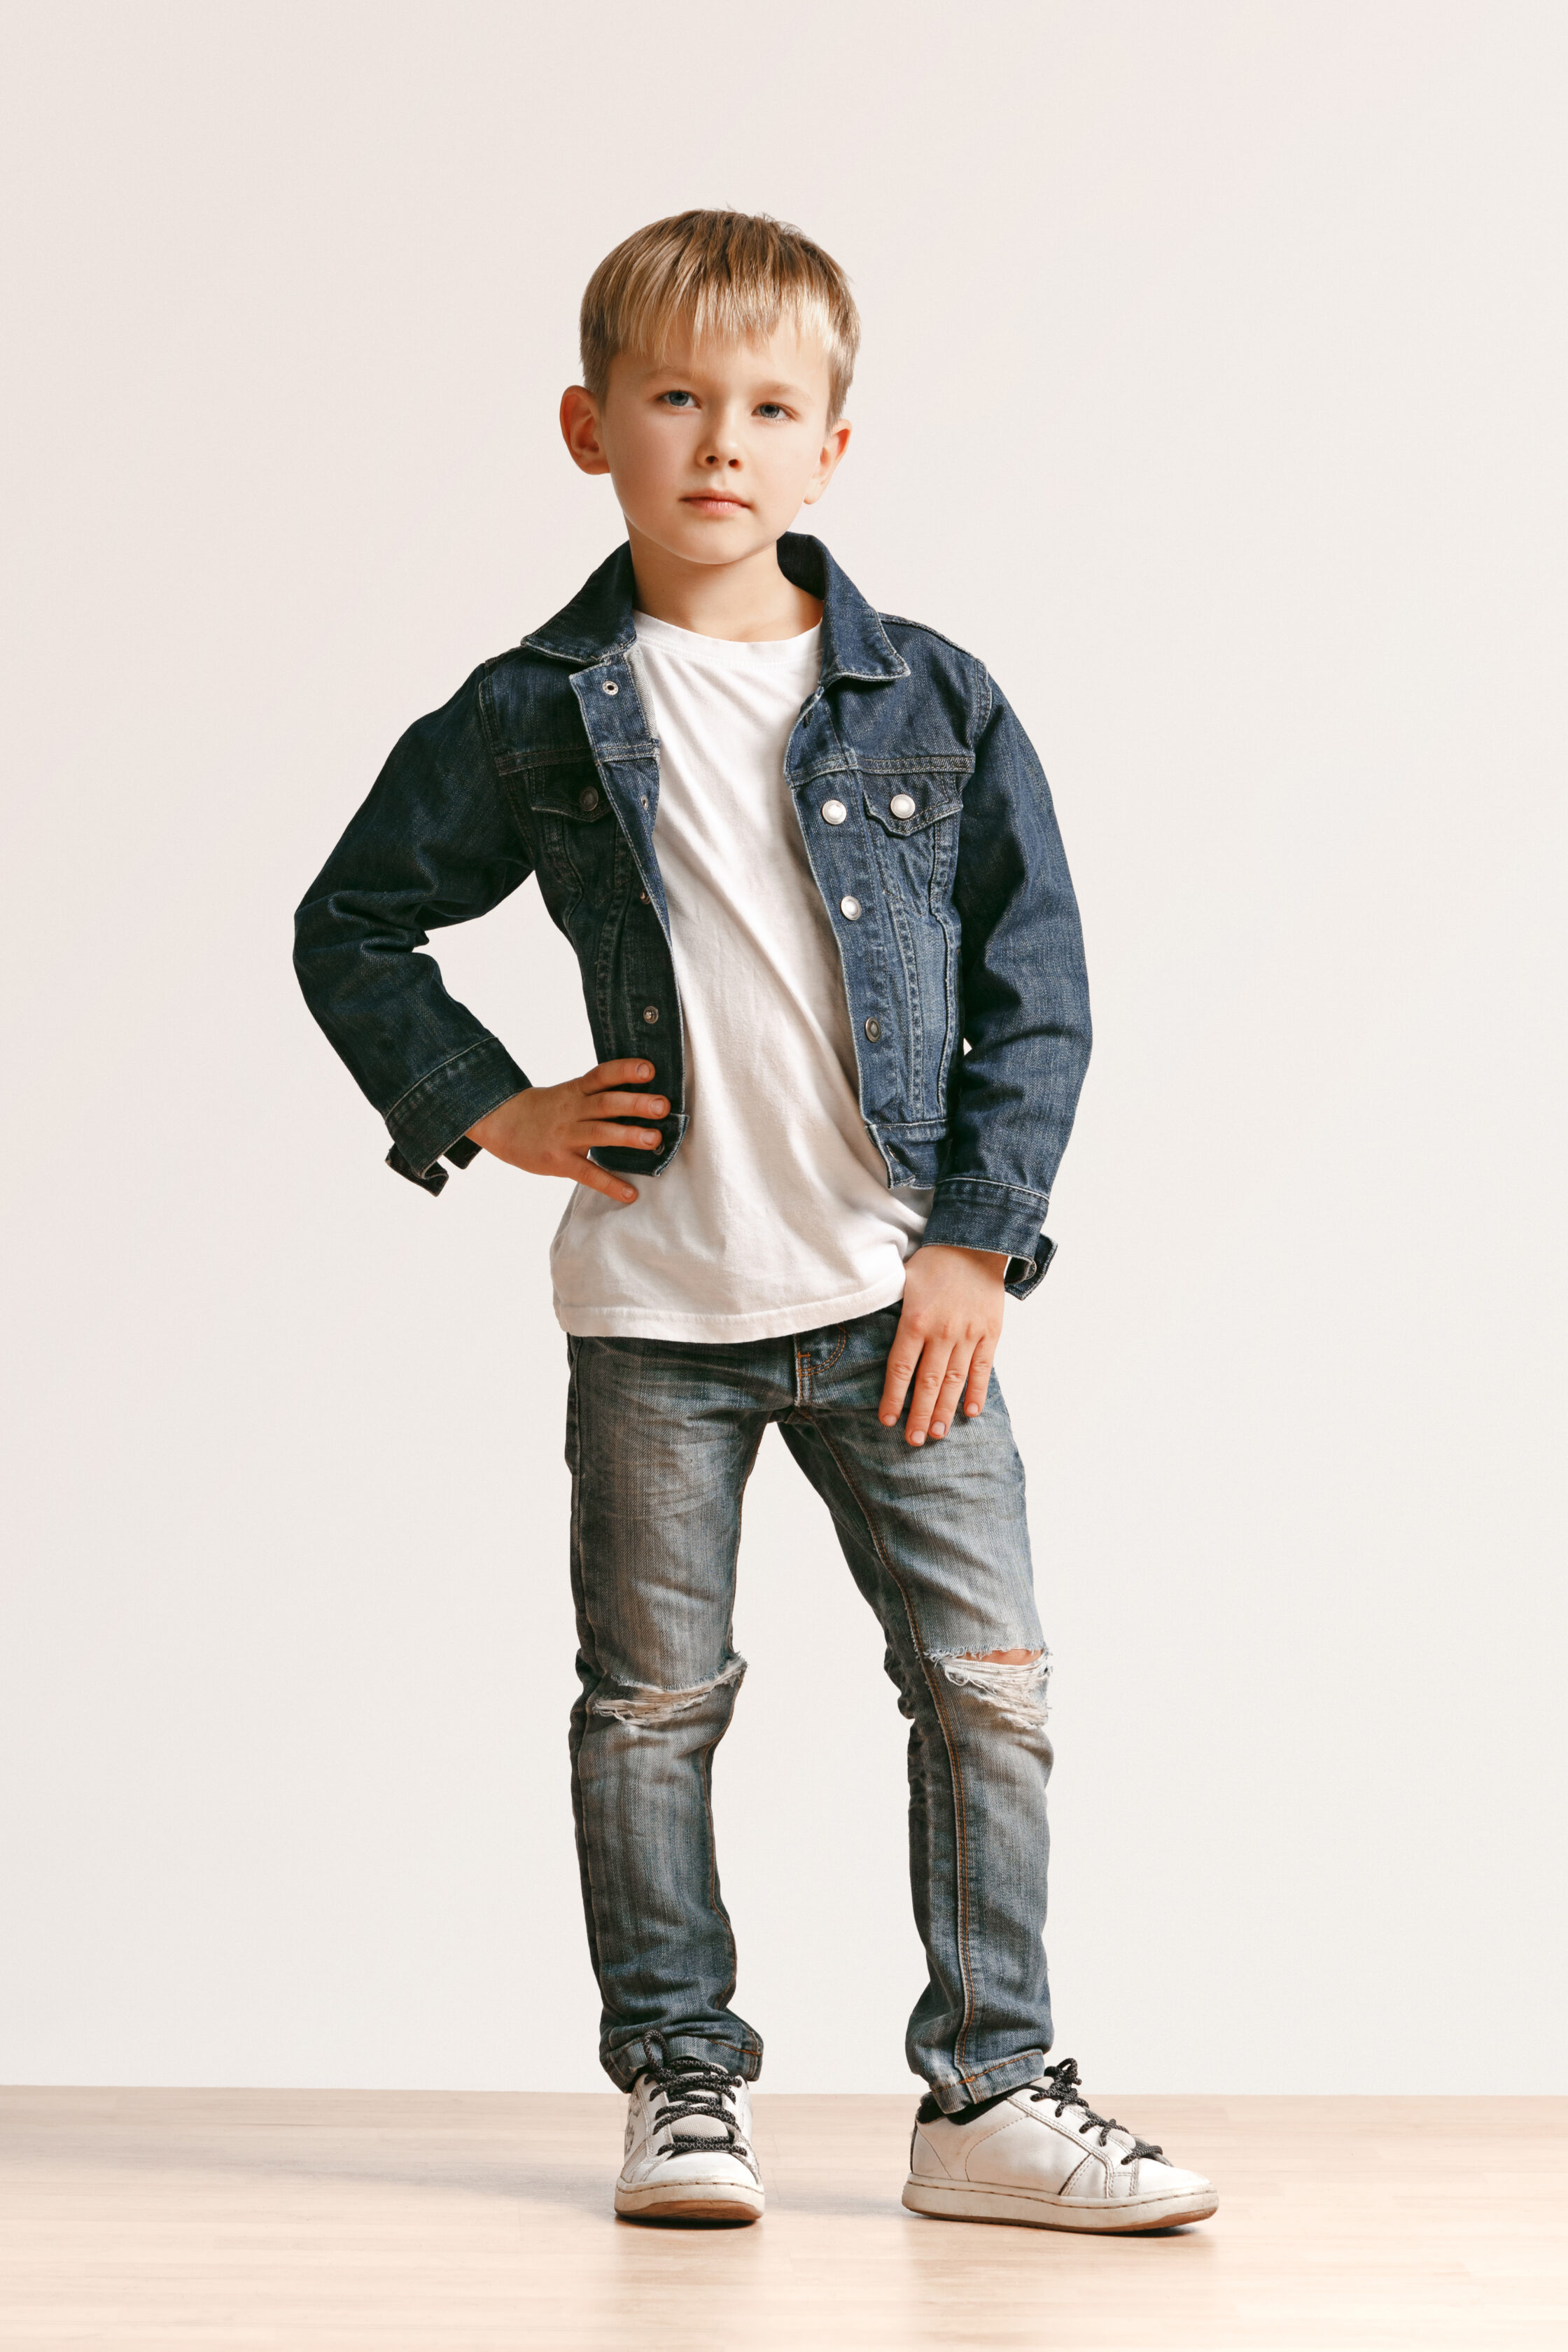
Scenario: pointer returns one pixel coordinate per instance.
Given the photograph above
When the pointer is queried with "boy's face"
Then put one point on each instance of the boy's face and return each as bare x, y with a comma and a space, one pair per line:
714, 450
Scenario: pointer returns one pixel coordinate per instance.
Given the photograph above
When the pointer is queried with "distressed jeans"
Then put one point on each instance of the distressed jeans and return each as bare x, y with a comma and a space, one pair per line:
661, 1437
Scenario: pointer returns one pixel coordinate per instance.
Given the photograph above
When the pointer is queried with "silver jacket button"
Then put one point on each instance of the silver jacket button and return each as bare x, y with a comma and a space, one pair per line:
851, 906
588, 801
834, 812
901, 805
651, 1013
873, 1030
610, 686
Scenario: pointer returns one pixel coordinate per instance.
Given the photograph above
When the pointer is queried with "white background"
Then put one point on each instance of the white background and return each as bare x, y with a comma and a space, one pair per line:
1213, 393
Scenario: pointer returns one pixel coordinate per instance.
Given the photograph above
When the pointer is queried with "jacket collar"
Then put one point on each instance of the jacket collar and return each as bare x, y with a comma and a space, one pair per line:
597, 623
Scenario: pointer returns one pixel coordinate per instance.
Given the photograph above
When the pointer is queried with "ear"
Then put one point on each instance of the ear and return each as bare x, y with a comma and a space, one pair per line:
833, 448
580, 430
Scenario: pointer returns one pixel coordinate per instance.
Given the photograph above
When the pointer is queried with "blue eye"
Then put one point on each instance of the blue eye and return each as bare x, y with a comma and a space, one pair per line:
772, 408
676, 398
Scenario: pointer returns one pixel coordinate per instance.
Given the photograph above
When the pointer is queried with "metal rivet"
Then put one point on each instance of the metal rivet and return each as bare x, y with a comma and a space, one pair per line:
610, 686
588, 800
834, 812
646, 899
651, 1013
873, 1030
902, 805
851, 906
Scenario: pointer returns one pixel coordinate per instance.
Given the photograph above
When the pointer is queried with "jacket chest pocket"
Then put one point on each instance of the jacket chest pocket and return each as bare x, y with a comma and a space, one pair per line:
576, 837
913, 823
914, 833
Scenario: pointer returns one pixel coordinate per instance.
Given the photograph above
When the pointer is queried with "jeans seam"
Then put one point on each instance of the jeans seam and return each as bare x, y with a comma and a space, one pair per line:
740, 1523
955, 1768
576, 1401
715, 1900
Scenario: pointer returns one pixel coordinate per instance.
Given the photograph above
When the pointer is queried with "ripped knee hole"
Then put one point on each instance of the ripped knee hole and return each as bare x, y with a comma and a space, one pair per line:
638, 1703
1013, 1681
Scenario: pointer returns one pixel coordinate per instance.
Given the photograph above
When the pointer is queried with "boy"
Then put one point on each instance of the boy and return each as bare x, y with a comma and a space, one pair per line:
831, 956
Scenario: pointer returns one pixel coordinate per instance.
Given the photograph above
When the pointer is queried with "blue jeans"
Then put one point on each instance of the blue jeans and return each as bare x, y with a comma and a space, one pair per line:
661, 1437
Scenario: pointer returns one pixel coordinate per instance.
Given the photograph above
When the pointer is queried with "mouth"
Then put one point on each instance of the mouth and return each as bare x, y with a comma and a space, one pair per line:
712, 502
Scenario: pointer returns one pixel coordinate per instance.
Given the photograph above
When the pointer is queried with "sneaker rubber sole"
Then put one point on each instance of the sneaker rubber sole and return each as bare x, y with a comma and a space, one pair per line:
967, 2201
689, 2201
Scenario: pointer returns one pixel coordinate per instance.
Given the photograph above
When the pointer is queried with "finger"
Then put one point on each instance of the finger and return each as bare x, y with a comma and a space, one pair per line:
599, 1179
902, 1357
927, 1386
636, 1139
621, 1105
951, 1389
614, 1074
979, 1378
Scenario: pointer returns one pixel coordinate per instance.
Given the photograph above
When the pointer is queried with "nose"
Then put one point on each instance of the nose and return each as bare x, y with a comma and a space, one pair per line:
723, 447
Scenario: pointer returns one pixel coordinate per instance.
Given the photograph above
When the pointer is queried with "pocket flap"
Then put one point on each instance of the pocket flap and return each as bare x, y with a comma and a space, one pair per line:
933, 798
576, 795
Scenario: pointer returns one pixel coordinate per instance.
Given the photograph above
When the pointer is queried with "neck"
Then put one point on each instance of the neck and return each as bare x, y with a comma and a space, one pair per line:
747, 600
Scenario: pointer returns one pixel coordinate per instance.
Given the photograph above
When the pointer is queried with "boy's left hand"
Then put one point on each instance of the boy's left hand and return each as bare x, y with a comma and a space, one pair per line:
946, 1338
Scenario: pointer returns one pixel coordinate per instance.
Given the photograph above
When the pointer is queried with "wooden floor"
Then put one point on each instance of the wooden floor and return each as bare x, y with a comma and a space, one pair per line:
185, 2220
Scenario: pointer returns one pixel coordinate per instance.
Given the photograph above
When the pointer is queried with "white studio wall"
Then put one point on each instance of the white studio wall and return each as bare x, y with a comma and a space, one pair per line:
1212, 392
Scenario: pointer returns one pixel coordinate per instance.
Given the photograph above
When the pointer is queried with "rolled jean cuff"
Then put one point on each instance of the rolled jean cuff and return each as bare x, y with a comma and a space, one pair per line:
954, 2092
626, 2063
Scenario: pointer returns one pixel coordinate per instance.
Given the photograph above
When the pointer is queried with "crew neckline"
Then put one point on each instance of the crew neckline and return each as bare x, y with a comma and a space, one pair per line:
694, 647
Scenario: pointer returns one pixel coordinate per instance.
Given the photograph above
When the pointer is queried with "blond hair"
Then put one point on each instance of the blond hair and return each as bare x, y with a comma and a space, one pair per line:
729, 275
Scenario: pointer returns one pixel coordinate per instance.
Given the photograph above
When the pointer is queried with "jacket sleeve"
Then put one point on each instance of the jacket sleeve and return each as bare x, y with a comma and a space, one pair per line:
1025, 1008
435, 842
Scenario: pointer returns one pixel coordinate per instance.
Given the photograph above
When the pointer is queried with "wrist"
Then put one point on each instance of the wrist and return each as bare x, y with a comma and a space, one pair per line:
487, 1131
995, 1262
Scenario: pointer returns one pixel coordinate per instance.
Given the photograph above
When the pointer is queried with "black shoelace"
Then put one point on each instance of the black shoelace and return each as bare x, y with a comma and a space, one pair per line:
1061, 2086
688, 2088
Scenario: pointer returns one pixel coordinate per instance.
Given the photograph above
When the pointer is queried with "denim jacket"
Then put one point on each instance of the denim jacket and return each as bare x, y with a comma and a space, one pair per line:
930, 832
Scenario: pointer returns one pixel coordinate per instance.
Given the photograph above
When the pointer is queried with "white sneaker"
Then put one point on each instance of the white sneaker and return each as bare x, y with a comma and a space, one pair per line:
1042, 2155
689, 2147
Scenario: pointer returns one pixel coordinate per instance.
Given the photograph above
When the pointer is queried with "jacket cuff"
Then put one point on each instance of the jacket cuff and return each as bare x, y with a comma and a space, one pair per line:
432, 1116
971, 1213
433, 1179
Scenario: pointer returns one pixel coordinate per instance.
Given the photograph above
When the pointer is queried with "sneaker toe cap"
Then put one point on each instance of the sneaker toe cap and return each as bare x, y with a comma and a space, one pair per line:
1156, 2179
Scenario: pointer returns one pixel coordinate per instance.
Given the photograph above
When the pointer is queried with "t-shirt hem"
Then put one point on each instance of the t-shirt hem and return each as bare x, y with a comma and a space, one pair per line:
768, 1323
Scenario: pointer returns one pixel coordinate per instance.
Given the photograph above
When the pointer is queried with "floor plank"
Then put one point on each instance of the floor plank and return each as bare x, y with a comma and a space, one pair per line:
339, 2222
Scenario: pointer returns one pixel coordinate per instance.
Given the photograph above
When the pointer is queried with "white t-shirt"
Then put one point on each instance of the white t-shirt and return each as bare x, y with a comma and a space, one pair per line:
776, 1214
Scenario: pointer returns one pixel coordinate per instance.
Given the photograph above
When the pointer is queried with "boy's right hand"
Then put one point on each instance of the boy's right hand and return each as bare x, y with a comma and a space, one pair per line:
550, 1131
